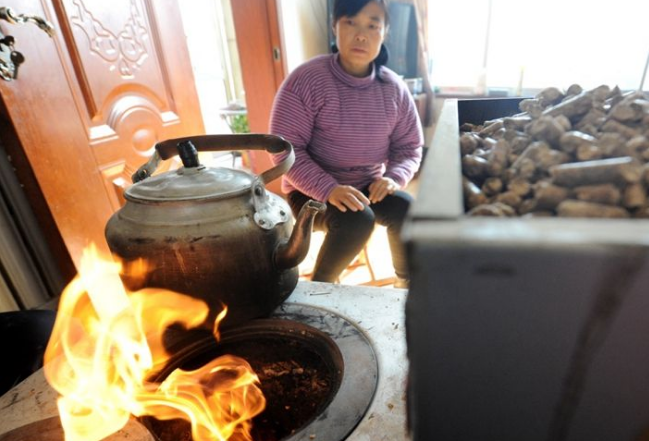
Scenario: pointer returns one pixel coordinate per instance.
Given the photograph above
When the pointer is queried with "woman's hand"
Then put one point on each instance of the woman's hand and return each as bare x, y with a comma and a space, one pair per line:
346, 197
380, 188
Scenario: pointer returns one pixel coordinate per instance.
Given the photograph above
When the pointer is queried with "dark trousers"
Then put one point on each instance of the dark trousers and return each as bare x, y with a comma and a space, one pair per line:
348, 232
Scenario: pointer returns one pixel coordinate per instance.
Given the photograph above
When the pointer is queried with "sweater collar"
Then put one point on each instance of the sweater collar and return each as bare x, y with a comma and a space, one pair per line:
348, 79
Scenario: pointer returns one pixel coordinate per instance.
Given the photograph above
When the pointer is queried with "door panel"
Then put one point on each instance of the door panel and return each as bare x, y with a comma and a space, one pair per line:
114, 42
125, 86
89, 104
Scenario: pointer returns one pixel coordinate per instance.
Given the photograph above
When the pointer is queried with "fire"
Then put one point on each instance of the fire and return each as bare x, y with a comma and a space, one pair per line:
107, 342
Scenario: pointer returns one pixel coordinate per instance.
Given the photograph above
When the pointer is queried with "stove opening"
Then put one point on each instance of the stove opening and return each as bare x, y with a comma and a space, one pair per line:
300, 369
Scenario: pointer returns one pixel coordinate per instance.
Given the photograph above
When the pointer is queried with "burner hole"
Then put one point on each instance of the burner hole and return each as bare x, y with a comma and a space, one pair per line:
300, 369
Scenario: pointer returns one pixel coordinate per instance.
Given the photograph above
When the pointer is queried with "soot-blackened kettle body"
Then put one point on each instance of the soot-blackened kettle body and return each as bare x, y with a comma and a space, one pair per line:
215, 234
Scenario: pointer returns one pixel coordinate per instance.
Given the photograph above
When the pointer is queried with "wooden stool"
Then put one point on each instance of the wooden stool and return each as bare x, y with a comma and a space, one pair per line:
361, 260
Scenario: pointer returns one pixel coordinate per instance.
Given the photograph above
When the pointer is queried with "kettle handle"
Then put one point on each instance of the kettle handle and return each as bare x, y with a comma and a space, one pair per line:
217, 143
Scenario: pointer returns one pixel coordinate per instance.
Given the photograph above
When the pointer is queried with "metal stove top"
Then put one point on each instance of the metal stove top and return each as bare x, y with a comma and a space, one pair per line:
377, 312
380, 313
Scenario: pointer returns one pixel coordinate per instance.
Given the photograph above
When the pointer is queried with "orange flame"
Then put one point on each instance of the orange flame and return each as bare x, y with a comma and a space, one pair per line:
107, 342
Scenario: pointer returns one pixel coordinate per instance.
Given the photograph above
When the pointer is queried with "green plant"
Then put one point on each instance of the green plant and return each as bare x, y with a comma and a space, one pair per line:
240, 124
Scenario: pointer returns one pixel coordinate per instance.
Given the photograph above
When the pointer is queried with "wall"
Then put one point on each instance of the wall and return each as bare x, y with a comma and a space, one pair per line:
305, 28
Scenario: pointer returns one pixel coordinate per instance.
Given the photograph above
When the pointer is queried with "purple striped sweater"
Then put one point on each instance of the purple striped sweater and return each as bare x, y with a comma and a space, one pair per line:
345, 130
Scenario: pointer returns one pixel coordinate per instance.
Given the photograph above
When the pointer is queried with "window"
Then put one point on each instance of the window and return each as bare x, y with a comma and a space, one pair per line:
510, 46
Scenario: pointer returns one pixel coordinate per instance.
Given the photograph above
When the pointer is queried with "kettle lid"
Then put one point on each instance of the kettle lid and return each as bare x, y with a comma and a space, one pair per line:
191, 183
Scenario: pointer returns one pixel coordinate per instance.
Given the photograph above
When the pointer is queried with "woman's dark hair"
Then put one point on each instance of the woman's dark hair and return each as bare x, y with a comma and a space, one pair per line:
349, 8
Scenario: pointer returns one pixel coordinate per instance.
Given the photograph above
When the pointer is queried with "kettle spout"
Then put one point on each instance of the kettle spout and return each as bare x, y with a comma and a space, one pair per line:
290, 254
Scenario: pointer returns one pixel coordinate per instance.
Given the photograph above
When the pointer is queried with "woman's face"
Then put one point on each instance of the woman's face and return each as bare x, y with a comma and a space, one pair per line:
359, 38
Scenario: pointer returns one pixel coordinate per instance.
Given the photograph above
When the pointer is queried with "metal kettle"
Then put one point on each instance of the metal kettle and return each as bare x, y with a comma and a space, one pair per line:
215, 234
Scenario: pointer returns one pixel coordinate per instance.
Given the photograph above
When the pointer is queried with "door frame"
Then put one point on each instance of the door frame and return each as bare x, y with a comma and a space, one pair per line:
263, 67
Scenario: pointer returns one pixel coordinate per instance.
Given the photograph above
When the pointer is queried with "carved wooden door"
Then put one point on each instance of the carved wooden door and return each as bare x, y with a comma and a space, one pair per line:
89, 104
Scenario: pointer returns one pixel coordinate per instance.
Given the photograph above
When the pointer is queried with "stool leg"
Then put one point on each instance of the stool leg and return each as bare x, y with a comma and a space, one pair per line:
366, 257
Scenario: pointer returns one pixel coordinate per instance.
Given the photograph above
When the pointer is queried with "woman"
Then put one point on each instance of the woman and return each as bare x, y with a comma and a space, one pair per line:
357, 139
